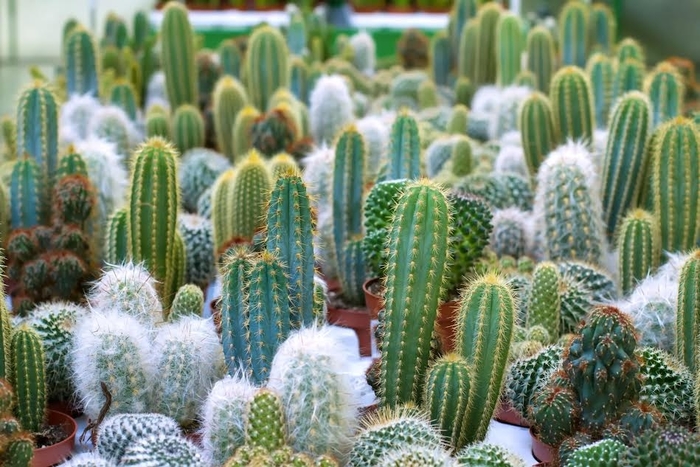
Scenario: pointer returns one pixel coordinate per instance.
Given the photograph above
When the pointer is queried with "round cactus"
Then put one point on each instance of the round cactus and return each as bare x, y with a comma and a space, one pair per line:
671, 445
667, 385
118, 432
604, 453
487, 455
112, 124
512, 233
416, 456
163, 451
88, 459
197, 234
199, 168
527, 376
188, 301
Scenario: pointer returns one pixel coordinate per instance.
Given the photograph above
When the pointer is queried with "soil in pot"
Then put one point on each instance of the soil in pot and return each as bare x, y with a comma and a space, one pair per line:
55, 443
355, 318
374, 295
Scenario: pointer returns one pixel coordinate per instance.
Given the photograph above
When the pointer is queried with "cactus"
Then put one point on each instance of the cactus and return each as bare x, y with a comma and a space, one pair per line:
28, 194
485, 62
330, 108
462, 12
416, 456
270, 69
687, 314
165, 450
123, 95
573, 33
199, 168
283, 164
277, 131
544, 301
510, 44
364, 49
663, 445
228, 99
427, 95
639, 248
197, 235
666, 92
28, 378
20, 451
526, 377
554, 411
668, 386
265, 424
408, 331
484, 334
188, 301
511, 234
601, 71
111, 123
81, 65
404, 148
537, 129
604, 453
675, 174
245, 211
118, 432
440, 59
629, 76
467, 51
602, 28
541, 56
572, 102
625, 161
187, 128
488, 455
87, 459
178, 56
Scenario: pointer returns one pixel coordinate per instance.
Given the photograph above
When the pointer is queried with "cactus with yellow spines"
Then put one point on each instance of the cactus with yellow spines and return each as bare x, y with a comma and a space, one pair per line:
242, 131
602, 27
629, 76
123, 95
544, 300
8, 129
187, 128
541, 56
188, 301
116, 242
221, 214
639, 248
282, 164
601, 71
675, 183
28, 194
510, 44
417, 258
573, 33
228, 99
157, 122
178, 56
527, 79
28, 378
625, 158
266, 65
538, 131
572, 102
629, 48
235, 271
249, 198
404, 149
688, 314
20, 450
462, 12
485, 326
666, 91
265, 425
5, 342
154, 201
81, 63
466, 58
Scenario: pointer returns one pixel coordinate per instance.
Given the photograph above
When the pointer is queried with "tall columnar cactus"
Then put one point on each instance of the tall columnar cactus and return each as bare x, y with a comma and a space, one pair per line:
187, 128
418, 241
629, 76
538, 132
352, 271
601, 71
485, 326
27, 194
5, 343
440, 59
153, 205
178, 56
116, 242
242, 131
573, 33
639, 248
222, 210
688, 314
666, 91
250, 196
510, 44
290, 236
486, 65
602, 27
675, 183
541, 56
229, 98
572, 101
462, 12
266, 65
447, 397
234, 313
28, 378
625, 160
81, 64
404, 148
37, 128
544, 300
469, 41
568, 206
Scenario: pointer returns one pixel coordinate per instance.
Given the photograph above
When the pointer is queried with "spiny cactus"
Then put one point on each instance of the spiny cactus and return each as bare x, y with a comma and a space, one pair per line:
639, 248
537, 129
663, 446
269, 70
178, 56
228, 99
604, 453
512, 233
554, 410
123, 96
118, 432
187, 128
440, 59
573, 33
265, 423
629, 76
572, 102
544, 301
330, 108
687, 319
188, 301
415, 456
600, 69
80, 56
666, 92
197, 234
510, 43
541, 56
28, 378
668, 386
163, 450
526, 376
88, 459
488, 455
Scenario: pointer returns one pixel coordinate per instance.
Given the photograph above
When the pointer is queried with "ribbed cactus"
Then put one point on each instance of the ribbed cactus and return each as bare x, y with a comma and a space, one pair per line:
265, 424
675, 183
290, 236
199, 168
462, 12
178, 56
117, 432
153, 205
266, 65
527, 375
573, 33
485, 62
602, 28
418, 241
440, 59
20, 450
538, 132
222, 211
28, 378
27, 194
629, 76
485, 325
197, 235
666, 92
510, 43
123, 95
188, 301
231, 58
81, 65
466, 58
447, 397
572, 102
404, 149
163, 449
687, 318
242, 135
544, 301
624, 162
228, 99
639, 248
187, 128
299, 79
601, 71
249, 199
116, 242
629, 48
541, 56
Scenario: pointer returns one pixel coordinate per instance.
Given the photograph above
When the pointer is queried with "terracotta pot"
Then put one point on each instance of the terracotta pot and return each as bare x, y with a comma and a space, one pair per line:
67, 408
374, 302
195, 437
447, 324
356, 319
57, 453
507, 414
540, 451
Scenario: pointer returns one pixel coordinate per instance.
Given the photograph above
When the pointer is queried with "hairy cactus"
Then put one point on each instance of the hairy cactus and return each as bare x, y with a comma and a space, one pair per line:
88, 459
111, 123
511, 234
118, 432
163, 450
572, 101
197, 234
416, 456
330, 108
488, 455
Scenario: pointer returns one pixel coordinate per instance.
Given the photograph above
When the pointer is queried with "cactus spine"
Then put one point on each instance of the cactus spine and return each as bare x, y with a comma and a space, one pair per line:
178, 56
572, 102
544, 301
601, 72
117, 244
628, 77
541, 56
573, 34
537, 130
153, 206
251, 194
265, 424
266, 65
639, 252
688, 317
440, 60
404, 148
666, 91
81, 63
242, 131
235, 272
221, 215
28, 378
418, 240
229, 98
509, 48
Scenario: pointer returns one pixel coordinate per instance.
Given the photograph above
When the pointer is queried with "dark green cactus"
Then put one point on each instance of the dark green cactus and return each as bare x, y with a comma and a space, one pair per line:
541, 56
80, 57
572, 102
573, 34
602, 28
687, 318
629, 76
510, 44
231, 58
666, 92
187, 128
116, 248
234, 315
601, 71
639, 248
537, 130
28, 378
404, 149
526, 376
269, 70
440, 58
352, 271
178, 56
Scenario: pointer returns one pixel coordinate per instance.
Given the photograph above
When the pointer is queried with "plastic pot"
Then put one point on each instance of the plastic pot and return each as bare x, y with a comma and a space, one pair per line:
542, 452
57, 453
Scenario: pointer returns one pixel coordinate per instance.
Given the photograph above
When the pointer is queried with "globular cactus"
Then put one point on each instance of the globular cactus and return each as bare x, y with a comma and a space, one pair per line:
112, 124
427, 95
625, 159
573, 33
485, 326
541, 56
404, 149
228, 99
88, 459
330, 108
277, 131
178, 56
269, 70
538, 131
687, 319
416, 456
197, 235
601, 71
512, 233
526, 377
187, 128
603, 453
572, 102
488, 455
117, 432
510, 43
440, 59
188, 301
629, 76
639, 248
265, 422
28, 378
666, 92
544, 301
554, 410
81, 64
20, 450
198, 170
675, 183
663, 445
163, 450
602, 27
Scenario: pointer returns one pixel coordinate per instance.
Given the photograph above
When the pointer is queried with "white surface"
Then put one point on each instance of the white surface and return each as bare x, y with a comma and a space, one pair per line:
203, 20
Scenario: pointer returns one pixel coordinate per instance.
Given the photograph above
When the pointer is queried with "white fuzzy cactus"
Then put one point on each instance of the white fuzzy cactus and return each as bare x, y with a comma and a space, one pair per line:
331, 108
114, 349
364, 49
320, 397
118, 432
76, 114
131, 289
376, 135
223, 418
191, 359
156, 93
317, 174
505, 117
88, 459
511, 159
113, 124
163, 451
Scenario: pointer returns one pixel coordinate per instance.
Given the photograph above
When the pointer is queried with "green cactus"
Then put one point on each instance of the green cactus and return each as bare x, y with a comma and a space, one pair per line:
123, 95
668, 386
188, 301
467, 55
178, 56
510, 44
28, 194
630, 48
554, 410
464, 91
665, 445
601, 71
269, 70
20, 451
488, 16
625, 161
198, 171
537, 130
629, 76
462, 12
488, 455
427, 95
602, 28
265, 424
116, 244
526, 376
228, 99
161, 449
299, 79
573, 33
81, 64
197, 235
231, 58
242, 131
440, 59
187, 128
152, 220
404, 148
687, 322
28, 378
541, 56
119, 431
544, 301
666, 92
572, 102
604, 453
249, 198
639, 248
